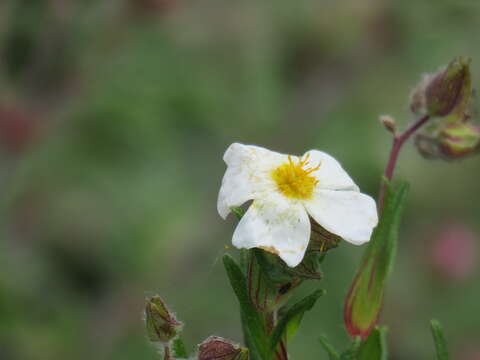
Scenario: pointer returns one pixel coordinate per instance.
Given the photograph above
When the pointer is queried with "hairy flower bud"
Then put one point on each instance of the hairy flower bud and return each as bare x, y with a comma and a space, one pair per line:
459, 139
389, 123
162, 326
452, 141
217, 348
445, 92
449, 89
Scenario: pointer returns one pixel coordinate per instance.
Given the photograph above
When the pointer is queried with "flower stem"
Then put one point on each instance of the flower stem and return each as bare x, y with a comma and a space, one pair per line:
281, 351
166, 353
398, 141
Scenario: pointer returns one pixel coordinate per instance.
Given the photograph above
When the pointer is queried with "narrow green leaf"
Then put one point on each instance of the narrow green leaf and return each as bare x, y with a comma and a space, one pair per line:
179, 350
252, 321
364, 299
375, 347
439, 340
291, 320
247, 338
351, 352
332, 354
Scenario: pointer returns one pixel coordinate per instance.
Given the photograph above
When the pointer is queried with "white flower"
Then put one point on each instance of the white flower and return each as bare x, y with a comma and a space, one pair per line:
286, 190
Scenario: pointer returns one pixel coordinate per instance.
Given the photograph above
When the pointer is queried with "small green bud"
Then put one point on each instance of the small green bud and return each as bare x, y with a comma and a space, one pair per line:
450, 89
364, 299
162, 326
459, 139
217, 348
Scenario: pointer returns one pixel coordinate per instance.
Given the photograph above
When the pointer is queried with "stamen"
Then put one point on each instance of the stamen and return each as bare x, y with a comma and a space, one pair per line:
293, 179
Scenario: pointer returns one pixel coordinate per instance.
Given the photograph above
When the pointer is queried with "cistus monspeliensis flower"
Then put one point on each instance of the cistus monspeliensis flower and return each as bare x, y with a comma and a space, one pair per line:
286, 190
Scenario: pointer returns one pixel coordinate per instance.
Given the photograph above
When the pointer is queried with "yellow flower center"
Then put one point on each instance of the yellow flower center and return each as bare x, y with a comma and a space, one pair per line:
294, 180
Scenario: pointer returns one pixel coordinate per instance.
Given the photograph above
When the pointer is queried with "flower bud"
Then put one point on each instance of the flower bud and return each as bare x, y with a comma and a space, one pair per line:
449, 89
389, 123
364, 300
459, 139
162, 326
217, 348
427, 146
451, 141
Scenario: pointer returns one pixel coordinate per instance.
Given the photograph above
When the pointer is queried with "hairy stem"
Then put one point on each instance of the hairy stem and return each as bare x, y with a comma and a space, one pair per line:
166, 352
398, 141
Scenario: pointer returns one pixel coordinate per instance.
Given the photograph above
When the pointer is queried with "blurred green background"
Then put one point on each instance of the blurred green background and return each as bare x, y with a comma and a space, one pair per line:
114, 116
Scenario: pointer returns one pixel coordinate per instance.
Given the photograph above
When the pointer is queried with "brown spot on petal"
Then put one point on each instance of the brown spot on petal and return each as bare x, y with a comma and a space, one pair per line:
269, 249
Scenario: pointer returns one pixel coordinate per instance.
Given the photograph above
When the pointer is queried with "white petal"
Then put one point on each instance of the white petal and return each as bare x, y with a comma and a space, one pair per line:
276, 224
330, 175
349, 214
247, 175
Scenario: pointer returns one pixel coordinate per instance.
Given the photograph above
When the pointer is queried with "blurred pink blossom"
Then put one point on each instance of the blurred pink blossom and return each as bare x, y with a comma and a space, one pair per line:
453, 253
17, 128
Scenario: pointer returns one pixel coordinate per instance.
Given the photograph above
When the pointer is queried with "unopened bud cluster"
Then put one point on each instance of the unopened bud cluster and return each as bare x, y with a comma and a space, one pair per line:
446, 96
163, 328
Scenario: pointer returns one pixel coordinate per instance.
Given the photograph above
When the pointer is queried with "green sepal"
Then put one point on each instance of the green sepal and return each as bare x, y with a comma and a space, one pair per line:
375, 347
238, 211
289, 323
280, 273
252, 323
322, 240
439, 340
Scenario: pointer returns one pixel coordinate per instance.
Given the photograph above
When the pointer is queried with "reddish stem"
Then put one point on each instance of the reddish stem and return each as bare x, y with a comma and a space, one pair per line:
398, 142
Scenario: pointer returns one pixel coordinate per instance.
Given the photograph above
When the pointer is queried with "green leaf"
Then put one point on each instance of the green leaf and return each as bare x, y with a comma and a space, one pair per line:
254, 354
351, 352
439, 340
179, 350
364, 299
289, 323
375, 347
251, 320
332, 354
